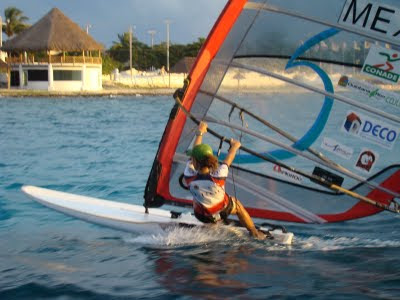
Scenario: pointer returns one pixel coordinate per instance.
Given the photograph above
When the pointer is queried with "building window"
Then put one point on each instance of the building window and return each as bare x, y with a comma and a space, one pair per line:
38, 75
67, 75
14, 78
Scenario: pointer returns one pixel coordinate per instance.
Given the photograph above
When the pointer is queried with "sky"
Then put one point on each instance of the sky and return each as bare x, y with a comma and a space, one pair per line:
190, 19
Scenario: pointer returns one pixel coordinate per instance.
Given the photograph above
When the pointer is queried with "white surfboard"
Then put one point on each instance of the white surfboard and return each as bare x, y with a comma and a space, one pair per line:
123, 216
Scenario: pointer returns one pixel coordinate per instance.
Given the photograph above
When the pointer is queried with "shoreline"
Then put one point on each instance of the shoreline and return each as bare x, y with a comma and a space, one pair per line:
107, 91
112, 91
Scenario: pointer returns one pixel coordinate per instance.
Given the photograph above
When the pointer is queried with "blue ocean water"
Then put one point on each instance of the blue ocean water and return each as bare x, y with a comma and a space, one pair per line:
104, 148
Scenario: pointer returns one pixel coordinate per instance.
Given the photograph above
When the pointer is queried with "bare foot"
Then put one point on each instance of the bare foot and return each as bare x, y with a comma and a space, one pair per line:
259, 235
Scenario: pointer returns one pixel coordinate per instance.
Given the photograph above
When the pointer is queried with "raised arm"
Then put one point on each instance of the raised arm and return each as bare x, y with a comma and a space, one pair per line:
235, 145
199, 133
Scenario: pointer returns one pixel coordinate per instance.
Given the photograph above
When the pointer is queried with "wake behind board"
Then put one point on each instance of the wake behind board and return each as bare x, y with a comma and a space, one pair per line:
123, 216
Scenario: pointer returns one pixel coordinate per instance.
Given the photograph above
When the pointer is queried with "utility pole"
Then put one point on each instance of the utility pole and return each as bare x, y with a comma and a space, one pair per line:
169, 76
130, 52
87, 28
152, 33
167, 22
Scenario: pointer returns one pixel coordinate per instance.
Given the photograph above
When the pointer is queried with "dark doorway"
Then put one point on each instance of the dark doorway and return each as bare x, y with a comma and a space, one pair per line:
14, 78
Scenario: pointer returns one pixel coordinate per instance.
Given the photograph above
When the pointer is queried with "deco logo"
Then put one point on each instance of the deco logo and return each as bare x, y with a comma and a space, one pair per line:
372, 130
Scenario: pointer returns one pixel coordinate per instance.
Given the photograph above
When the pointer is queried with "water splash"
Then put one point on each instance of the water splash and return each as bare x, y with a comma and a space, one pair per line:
332, 243
181, 236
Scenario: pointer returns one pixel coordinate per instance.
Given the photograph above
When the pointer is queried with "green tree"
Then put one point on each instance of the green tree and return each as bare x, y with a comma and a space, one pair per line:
145, 57
177, 51
119, 51
14, 21
194, 48
109, 64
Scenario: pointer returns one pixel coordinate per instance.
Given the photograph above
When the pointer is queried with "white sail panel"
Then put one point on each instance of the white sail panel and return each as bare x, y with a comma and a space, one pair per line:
320, 149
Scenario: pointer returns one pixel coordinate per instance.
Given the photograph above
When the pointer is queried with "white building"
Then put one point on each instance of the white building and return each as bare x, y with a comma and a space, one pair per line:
54, 54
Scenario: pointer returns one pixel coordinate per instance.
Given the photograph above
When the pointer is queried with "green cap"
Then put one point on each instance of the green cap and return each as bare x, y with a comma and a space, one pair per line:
201, 151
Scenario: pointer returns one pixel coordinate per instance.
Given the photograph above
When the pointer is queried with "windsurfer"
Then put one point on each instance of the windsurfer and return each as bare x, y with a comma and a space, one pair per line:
206, 181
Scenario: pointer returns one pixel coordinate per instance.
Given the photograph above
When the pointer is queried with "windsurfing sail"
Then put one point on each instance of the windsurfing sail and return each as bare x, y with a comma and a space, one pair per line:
309, 88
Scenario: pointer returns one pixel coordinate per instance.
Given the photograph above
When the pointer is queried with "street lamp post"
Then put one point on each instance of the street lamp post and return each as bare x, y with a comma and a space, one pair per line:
130, 52
169, 76
167, 22
87, 28
152, 33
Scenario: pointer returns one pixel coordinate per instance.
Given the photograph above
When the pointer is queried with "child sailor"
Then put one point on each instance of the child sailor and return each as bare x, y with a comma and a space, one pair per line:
206, 181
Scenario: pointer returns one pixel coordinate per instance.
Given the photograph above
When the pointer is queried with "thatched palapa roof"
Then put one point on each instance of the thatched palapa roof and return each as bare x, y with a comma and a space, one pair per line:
54, 31
184, 65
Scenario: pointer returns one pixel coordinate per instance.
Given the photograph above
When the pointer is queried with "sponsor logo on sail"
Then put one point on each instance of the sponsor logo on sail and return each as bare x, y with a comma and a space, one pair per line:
382, 63
336, 148
288, 174
370, 91
372, 17
352, 124
366, 160
343, 81
372, 130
